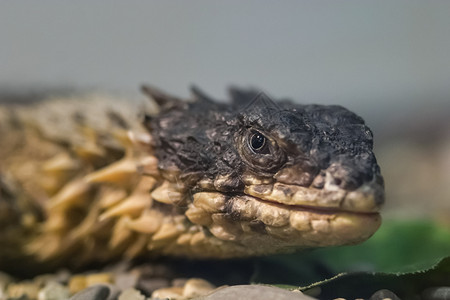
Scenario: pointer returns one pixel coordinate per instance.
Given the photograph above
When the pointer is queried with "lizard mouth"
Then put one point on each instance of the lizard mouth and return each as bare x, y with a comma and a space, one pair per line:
315, 225
314, 209
365, 199
267, 218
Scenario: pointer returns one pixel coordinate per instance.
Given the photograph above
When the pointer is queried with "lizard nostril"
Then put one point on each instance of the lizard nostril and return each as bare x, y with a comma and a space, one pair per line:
349, 183
337, 181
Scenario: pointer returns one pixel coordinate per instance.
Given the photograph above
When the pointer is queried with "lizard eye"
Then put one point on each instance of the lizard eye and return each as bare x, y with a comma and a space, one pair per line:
260, 151
258, 142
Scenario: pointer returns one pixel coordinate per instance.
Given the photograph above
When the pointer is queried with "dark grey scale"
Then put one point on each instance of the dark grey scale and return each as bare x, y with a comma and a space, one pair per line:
232, 183
231, 212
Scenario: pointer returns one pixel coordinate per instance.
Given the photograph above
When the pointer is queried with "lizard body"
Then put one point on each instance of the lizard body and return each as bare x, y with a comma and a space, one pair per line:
93, 182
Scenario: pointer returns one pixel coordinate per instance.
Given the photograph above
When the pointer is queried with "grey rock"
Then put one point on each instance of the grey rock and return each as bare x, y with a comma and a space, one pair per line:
149, 285
131, 294
96, 292
5, 279
436, 293
62, 276
114, 291
54, 291
254, 292
384, 294
179, 282
43, 279
23, 297
126, 280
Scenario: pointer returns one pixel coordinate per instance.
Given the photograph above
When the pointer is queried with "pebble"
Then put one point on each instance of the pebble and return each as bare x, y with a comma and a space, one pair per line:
149, 285
168, 293
131, 294
254, 292
436, 293
95, 292
77, 283
179, 282
384, 294
25, 288
54, 291
5, 279
43, 279
98, 278
62, 276
197, 287
23, 297
141, 283
126, 280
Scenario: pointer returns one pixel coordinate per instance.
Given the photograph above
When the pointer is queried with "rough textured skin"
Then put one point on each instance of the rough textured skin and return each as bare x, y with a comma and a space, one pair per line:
86, 182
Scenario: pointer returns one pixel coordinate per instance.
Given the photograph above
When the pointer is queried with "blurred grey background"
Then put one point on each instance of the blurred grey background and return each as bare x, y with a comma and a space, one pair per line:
386, 60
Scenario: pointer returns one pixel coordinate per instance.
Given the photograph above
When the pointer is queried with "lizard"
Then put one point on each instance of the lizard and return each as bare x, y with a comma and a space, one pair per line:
92, 182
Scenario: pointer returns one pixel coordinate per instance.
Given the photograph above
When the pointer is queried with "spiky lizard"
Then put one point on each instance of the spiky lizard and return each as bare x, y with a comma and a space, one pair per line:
97, 181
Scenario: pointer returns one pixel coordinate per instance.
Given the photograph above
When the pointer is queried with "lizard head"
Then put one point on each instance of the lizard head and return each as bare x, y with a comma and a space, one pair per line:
266, 177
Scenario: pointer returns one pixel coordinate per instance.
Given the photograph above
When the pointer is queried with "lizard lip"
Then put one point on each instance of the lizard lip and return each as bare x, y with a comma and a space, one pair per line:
366, 199
317, 209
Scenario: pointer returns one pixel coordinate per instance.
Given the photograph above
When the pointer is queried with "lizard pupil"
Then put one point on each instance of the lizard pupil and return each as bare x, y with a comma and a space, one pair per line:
257, 141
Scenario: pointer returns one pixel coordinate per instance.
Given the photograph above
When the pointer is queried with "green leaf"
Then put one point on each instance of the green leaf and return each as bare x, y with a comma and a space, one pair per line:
398, 247
363, 285
402, 256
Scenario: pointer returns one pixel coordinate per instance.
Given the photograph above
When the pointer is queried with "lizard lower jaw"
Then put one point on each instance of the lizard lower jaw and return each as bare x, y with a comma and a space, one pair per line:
260, 226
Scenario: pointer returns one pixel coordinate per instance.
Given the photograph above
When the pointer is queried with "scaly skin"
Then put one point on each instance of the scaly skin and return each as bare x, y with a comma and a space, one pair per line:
91, 181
